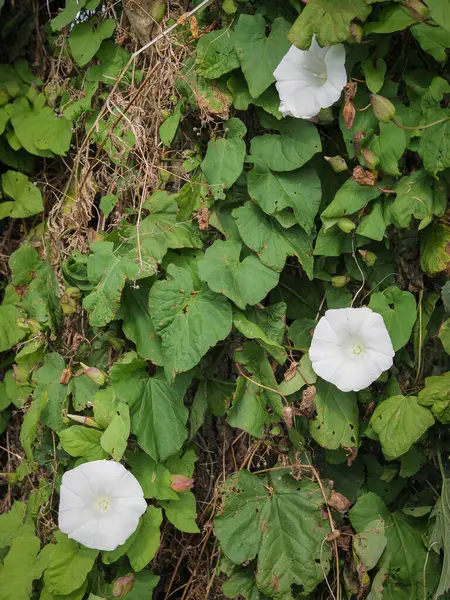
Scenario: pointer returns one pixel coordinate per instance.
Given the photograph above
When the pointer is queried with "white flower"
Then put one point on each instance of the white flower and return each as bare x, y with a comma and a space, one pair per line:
351, 347
309, 80
100, 504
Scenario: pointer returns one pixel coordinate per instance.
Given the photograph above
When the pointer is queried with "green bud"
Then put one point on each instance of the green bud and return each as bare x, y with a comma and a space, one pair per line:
368, 257
73, 292
4, 97
96, 375
276, 430
346, 225
337, 163
122, 586
417, 9
370, 158
325, 116
68, 305
339, 281
383, 108
356, 33
13, 88
158, 10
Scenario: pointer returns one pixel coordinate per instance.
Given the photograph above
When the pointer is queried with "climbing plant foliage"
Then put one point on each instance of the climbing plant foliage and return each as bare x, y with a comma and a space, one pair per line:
198, 305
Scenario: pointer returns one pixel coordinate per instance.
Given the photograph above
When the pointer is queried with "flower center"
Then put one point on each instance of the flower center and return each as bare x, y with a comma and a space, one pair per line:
357, 350
103, 504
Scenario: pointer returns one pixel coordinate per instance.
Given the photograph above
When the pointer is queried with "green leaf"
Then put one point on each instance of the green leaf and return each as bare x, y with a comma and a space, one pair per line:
265, 325
223, 162
261, 519
444, 335
389, 146
299, 190
441, 535
107, 203
68, 14
144, 584
75, 595
69, 565
108, 272
248, 411
48, 382
374, 74
374, 225
300, 333
271, 242
10, 334
159, 416
146, 544
259, 55
26, 197
434, 146
337, 422
419, 195
169, 127
30, 423
82, 441
83, 390
242, 584
328, 20
296, 145
246, 282
84, 40
434, 255
153, 477
137, 323
390, 19
212, 396
189, 318
16, 574
182, 513
400, 421
215, 54
12, 524
114, 440
434, 40
370, 543
350, 198
436, 395
439, 13
399, 319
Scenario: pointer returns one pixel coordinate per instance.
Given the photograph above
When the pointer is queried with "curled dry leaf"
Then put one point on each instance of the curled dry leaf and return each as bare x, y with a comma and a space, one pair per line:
363, 177
339, 502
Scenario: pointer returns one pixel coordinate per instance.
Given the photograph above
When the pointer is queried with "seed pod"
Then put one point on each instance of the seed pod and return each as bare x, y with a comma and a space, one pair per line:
368, 257
349, 113
96, 375
417, 9
383, 108
370, 158
122, 586
181, 483
339, 281
346, 225
337, 163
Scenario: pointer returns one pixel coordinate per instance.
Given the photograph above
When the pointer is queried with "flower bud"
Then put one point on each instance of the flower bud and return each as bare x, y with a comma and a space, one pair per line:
383, 108
417, 9
368, 257
339, 281
346, 225
370, 158
88, 421
337, 163
356, 33
122, 586
181, 483
94, 374
276, 430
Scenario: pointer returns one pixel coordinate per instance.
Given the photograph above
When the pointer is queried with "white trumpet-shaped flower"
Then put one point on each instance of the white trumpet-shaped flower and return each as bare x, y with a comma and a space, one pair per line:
309, 80
100, 504
351, 347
